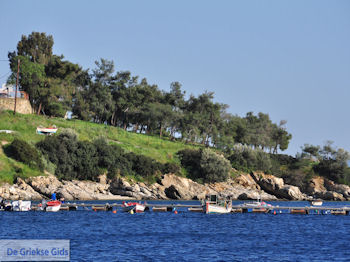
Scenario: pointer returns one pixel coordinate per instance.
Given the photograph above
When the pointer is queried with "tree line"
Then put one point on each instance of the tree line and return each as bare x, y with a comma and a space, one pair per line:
120, 99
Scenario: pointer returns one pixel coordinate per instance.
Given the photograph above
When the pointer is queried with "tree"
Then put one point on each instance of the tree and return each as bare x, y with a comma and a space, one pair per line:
333, 163
49, 81
37, 47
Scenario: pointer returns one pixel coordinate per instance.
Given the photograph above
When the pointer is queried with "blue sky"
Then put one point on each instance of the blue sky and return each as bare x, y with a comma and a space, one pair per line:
290, 59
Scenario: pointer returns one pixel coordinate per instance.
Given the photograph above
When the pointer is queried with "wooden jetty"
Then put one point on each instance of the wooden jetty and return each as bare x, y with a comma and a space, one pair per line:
304, 210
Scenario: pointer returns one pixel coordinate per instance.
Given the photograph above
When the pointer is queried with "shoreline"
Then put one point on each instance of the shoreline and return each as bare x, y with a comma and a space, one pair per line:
171, 187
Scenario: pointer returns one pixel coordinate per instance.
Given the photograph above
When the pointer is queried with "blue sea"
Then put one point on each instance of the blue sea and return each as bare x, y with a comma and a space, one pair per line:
186, 236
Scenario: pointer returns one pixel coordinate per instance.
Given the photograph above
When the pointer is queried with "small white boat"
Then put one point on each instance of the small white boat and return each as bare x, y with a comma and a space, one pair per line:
134, 206
21, 205
53, 206
317, 202
46, 130
214, 205
257, 204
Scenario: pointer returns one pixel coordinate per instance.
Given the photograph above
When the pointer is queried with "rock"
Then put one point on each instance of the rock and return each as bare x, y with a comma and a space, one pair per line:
172, 193
330, 195
316, 185
20, 191
246, 181
275, 186
249, 196
181, 188
339, 188
102, 179
45, 185
291, 193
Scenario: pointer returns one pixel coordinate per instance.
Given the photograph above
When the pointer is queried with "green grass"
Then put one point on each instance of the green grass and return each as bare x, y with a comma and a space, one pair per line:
25, 126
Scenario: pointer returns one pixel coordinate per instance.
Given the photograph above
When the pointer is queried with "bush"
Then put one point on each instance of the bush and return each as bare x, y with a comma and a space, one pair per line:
247, 159
190, 159
205, 165
171, 168
214, 167
143, 165
23, 152
85, 160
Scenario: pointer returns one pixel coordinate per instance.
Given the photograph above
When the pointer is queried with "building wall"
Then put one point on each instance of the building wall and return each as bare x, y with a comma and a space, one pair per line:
23, 105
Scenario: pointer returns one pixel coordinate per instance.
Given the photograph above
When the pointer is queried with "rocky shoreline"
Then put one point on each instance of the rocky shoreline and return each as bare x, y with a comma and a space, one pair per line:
244, 187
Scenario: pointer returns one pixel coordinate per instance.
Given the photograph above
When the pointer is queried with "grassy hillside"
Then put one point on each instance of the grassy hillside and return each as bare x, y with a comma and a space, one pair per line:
25, 128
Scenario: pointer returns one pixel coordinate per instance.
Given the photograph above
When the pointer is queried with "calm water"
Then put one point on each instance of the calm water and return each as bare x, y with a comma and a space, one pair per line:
105, 236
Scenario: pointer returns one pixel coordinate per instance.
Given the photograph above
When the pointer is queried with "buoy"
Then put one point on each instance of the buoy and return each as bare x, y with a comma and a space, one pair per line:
114, 211
175, 212
274, 212
131, 212
95, 210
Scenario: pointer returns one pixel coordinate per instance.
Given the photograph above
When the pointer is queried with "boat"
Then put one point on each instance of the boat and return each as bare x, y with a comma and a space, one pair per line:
257, 204
316, 202
46, 130
134, 206
21, 205
215, 205
53, 206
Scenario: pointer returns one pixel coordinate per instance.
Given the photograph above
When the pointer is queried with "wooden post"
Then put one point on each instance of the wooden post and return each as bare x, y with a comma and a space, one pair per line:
14, 111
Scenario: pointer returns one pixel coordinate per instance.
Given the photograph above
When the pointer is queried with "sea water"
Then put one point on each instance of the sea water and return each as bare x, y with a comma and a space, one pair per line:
186, 236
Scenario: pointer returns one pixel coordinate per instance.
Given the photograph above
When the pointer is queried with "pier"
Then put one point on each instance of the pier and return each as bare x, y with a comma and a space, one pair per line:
303, 210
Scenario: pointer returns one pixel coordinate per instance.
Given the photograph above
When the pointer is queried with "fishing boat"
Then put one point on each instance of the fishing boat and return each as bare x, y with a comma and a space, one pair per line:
21, 205
215, 205
53, 206
46, 130
134, 206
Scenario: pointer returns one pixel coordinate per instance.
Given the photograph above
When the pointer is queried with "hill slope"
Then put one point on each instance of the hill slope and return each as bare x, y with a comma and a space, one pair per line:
25, 129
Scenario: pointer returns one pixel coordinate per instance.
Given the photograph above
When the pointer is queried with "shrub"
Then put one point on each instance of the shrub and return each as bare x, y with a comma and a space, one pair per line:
190, 159
214, 167
172, 168
24, 152
143, 165
205, 165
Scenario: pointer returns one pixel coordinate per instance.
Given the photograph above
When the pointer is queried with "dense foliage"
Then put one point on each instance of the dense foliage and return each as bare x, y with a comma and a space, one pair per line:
86, 160
205, 165
120, 99
24, 152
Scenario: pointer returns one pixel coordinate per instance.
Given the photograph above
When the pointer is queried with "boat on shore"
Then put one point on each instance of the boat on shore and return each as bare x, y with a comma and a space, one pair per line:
53, 206
46, 130
133, 206
215, 205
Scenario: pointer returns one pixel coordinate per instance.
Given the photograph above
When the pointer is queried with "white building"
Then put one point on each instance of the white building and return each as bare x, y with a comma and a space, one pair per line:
9, 91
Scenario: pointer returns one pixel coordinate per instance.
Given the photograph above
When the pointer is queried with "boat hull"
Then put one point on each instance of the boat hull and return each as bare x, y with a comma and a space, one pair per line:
53, 206
21, 205
136, 207
216, 209
316, 203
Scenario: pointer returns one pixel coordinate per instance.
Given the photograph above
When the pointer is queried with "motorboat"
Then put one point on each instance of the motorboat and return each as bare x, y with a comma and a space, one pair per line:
256, 204
53, 206
133, 206
20, 205
213, 204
